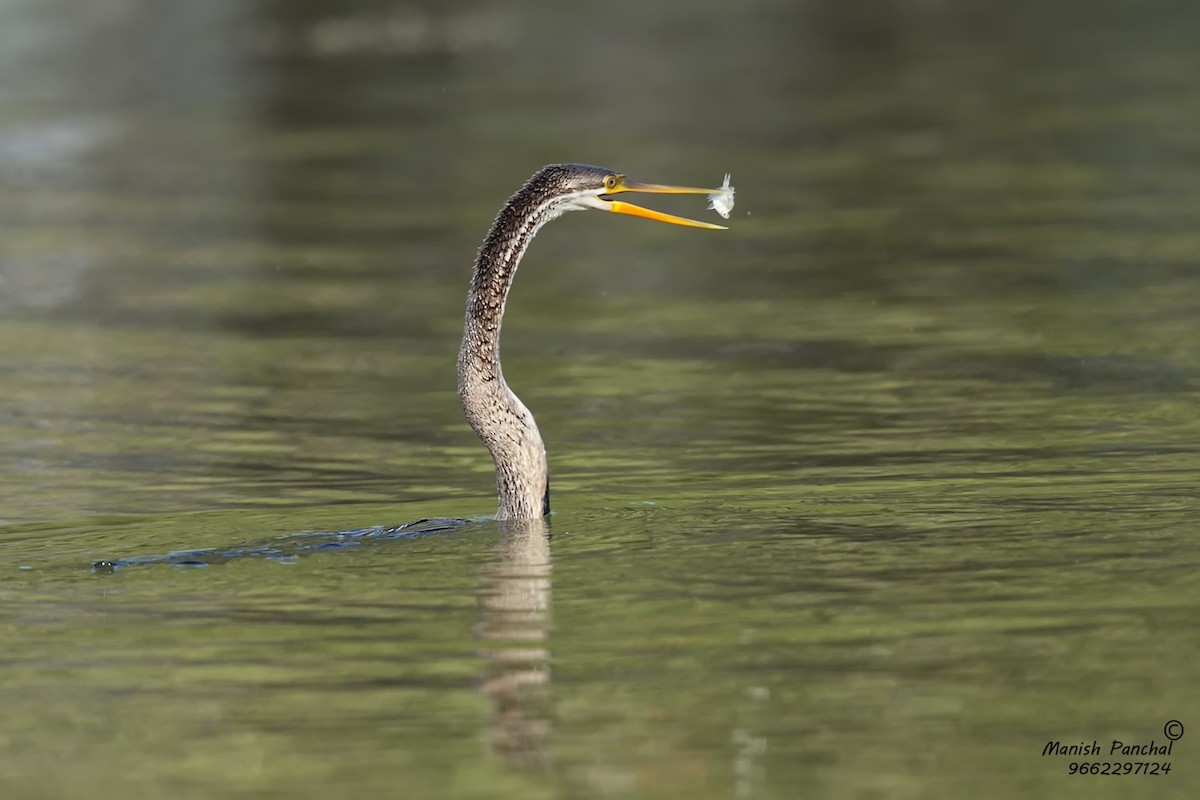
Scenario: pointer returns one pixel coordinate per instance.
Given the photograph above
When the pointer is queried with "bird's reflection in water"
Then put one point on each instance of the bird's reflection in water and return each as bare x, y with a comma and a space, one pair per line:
514, 605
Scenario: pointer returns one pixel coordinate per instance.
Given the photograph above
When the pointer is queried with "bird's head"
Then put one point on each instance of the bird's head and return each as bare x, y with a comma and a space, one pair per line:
580, 187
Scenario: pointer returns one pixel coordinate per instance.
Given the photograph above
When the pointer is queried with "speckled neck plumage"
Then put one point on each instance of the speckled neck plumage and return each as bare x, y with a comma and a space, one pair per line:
496, 414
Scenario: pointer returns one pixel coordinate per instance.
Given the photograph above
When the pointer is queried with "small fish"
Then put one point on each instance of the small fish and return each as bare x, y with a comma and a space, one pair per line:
721, 201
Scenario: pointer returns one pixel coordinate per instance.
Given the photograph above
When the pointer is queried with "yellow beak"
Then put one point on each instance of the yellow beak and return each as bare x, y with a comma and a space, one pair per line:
620, 207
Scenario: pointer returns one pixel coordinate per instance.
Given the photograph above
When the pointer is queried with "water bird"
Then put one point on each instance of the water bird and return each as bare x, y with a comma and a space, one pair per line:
495, 413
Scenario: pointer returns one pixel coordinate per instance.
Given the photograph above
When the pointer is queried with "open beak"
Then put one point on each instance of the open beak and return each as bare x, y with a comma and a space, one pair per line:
620, 207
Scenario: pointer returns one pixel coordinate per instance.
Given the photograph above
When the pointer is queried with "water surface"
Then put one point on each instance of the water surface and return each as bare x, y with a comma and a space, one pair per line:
872, 495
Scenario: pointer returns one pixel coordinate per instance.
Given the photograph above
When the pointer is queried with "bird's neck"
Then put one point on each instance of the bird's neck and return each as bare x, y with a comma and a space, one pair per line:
495, 413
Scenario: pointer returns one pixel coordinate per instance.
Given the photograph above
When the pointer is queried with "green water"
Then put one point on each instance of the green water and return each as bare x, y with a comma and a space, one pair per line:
871, 496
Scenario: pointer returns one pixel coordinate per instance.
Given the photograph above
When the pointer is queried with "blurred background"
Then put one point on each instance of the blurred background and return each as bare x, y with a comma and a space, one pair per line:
871, 495
192, 179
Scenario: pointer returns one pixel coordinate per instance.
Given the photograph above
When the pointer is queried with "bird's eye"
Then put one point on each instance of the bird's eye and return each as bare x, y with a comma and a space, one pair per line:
610, 182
